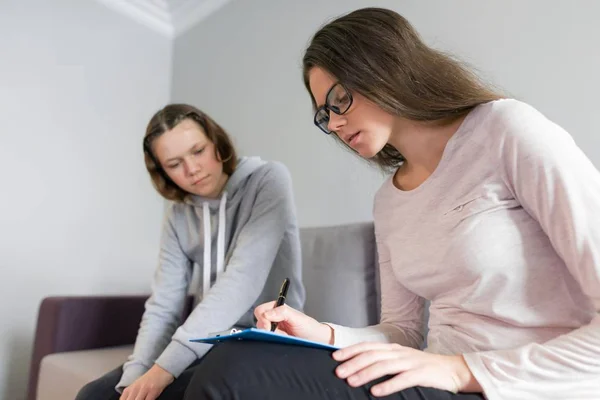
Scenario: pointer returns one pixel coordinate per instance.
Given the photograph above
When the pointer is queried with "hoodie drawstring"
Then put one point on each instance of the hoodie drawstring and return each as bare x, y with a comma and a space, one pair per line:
207, 267
221, 237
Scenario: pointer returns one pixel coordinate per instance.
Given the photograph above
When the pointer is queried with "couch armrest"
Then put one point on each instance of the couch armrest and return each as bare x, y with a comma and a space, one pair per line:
73, 323
79, 323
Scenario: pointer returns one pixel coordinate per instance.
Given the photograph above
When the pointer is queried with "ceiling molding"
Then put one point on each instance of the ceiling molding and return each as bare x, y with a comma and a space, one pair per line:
167, 17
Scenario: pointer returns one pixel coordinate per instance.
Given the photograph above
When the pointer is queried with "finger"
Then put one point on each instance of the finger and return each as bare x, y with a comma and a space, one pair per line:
262, 323
261, 309
265, 322
279, 331
398, 383
377, 370
140, 394
281, 313
363, 360
266, 325
130, 392
351, 351
270, 315
152, 394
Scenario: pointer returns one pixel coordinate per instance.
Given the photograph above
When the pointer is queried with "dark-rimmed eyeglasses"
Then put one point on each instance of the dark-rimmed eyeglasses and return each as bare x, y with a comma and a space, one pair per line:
338, 100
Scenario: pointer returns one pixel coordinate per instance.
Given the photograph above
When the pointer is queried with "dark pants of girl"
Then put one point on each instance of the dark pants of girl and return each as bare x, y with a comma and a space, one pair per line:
103, 388
266, 371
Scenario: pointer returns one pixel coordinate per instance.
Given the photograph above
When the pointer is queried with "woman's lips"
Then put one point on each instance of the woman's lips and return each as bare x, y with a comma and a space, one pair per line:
353, 138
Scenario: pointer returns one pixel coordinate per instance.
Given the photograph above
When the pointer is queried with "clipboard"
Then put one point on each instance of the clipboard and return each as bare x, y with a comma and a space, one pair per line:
261, 335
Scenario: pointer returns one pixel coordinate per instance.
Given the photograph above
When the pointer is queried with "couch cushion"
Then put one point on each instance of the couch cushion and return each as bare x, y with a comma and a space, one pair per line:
62, 375
340, 274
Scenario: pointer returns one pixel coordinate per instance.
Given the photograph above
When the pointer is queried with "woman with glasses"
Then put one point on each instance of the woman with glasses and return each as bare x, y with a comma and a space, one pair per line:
490, 212
232, 219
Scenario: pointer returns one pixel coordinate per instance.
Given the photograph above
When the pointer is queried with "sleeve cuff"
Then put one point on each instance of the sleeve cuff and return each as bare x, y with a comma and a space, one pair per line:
478, 370
130, 374
340, 336
177, 357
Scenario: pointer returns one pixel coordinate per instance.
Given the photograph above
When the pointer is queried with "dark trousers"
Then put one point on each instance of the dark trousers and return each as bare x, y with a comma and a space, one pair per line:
103, 388
266, 371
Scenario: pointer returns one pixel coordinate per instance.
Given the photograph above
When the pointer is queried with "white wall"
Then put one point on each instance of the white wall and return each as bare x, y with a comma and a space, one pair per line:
242, 66
78, 214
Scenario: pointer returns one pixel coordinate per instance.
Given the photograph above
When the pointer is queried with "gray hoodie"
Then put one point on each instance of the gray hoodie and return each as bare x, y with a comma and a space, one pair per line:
243, 244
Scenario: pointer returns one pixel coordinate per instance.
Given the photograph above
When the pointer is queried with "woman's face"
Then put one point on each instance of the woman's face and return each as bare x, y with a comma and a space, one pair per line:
188, 157
364, 127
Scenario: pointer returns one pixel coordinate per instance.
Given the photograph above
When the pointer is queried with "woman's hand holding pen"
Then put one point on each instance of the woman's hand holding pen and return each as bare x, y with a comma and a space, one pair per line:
292, 322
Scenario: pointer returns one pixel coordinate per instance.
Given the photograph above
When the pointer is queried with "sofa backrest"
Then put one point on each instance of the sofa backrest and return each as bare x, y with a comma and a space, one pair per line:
340, 274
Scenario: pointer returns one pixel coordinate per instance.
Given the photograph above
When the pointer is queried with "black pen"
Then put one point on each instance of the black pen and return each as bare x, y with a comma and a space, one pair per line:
281, 299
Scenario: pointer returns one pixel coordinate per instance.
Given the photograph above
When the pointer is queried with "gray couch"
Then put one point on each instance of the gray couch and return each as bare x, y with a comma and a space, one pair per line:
80, 338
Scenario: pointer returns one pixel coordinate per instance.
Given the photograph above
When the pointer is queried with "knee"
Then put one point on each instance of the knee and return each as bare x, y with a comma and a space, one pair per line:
86, 392
221, 372
222, 361
94, 391
203, 384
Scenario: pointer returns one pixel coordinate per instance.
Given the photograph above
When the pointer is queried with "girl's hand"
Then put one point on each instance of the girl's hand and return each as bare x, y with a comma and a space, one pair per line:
148, 386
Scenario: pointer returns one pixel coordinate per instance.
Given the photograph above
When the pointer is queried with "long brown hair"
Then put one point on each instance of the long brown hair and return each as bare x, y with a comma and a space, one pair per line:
377, 53
166, 119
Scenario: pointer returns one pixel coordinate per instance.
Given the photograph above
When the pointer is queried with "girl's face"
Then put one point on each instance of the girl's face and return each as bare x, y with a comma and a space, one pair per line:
188, 157
364, 127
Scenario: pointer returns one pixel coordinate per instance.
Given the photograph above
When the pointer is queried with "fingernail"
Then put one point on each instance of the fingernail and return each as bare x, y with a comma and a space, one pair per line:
337, 355
341, 372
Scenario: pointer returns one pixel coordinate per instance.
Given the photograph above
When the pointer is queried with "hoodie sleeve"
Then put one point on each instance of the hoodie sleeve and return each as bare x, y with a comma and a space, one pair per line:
559, 186
246, 274
164, 307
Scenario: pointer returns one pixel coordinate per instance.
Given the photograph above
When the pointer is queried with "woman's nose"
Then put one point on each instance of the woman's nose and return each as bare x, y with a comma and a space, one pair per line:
335, 121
